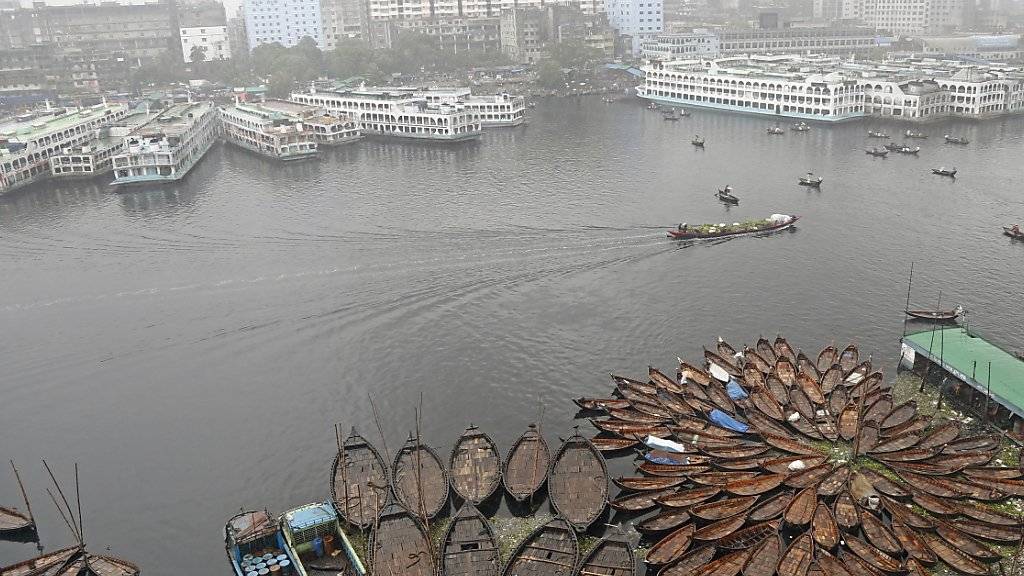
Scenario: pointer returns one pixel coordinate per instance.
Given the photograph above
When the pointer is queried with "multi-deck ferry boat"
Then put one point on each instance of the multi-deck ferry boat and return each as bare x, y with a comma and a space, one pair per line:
165, 149
276, 130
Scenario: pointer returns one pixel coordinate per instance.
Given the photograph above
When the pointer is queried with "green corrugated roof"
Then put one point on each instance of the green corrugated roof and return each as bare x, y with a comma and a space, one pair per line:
959, 350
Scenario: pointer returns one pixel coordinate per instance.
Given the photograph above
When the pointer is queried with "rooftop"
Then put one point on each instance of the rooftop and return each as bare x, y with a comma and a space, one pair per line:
30, 126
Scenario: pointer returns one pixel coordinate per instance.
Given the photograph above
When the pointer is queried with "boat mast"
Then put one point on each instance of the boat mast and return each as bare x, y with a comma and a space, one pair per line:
343, 462
910, 281
419, 467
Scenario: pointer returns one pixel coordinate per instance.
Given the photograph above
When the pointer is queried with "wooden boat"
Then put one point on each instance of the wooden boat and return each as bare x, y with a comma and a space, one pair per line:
578, 482
300, 526
634, 416
777, 388
915, 568
849, 358
624, 384
993, 472
800, 511
895, 444
763, 424
600, 404
720, 398
950, 555
857, 374
956, 140
856, 566
642, 483
899, 415
806, 366
783, 349
771, 508
943, 465
475, 466
933, 504
872, 556
848, 419
880, 152
671, 547
655, 469
993, 532
639, 501
687, 498
469, 547
692, 373
970, 489
740, 464
652, 407
755, 359
907, 515
811, 475
937, 315
804, 426
986, 514
824, 529
550, 550
611, 444
766, 350
845, 511
878, 410
883, 484
728, 565
800, 402
721, 478
701, 427
797, 558
785, 370
689, 562
809, 385
721, 509
359, 481
988, 442
663, 382
1013, 232
526, 465
628, 429
247, 535
910, 134
726, 195
719, 529
831, 379
1011, 487
612, 556
748, 537
831, 565
670, 519
915, 426
424, 492
792, 446
930, 484
908, 455
912, 543
877, 534
13, 521
810, 180
950, 172
675, 404
755, 485
834, 483
826, 425
828, 357
965, 543
73, 561
765, 558
727, 364
707, 231
867, 438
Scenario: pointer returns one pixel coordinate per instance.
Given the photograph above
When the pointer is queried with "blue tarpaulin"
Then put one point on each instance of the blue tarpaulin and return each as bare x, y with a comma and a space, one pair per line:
725, 421
736, 392
666, 460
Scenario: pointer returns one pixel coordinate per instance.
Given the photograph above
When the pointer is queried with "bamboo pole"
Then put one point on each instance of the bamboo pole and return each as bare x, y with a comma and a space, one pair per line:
61, 492
343, 463
78, 497
907, 307
24, 495
62, 515
536, 452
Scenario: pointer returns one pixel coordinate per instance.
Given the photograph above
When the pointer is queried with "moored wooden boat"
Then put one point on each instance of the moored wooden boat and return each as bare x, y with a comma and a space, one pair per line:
713, 358
986, 514
809, 476
550, 550
796, 560
807, 366
1012, 487
908, 455
937, 315
578, 482
766, 350
755, 359
641, 483
777, 388
469, 547
993, 472
828, 356
834, 483
526, 465
612, 444
755, 485
783, 349
728, 565
831, 565
907, 515
878, 409
299, 527
792, 446
630, 429
721, 478
785, 370
612, 556
693, 374
719, 529
940, 435
837, 399
883, 484
900, 414
912, 543
689, 562
810, 387
878, 535
687, 498
872, 556
639, 501
359, 481
634, 416
845, 511
849, 357
655, 469
965, 543
670, 519
73, 561
895, 444
764, 402
972, 444
424, 492
857, 374
671, 547
799, 401
824, 529
475, 466
930, 484
765, 558
721, 509
781, 465
950, 555
596, 404
13, 521
662, 381
249, 534
763, 424
771, 508
800, 511
992, 532
753, 463
749, 537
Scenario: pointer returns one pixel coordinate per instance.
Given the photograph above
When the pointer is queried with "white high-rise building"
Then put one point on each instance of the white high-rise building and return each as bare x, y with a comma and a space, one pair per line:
907, 16
638, 19
283, 21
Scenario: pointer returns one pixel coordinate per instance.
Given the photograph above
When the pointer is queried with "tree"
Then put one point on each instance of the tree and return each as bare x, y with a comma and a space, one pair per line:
197, 54
351, 58
549, 74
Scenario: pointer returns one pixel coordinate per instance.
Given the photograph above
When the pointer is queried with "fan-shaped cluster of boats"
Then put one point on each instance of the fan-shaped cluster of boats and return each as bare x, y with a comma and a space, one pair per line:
734, 475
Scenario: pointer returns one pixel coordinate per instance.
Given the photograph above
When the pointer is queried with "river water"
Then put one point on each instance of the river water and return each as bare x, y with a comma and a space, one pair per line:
192, 346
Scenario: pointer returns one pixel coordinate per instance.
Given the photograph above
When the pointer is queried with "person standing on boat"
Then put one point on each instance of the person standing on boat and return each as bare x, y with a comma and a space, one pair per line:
683, 227
1015, 229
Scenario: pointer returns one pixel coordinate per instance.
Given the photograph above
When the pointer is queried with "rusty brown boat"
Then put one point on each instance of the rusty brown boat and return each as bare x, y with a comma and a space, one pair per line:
755, 485
828, 357
834, 483
909, 455
400, 544
831, 565
883, 484
359, 481
694, 374
635, 386
912, 543
900, 414
578, 482
639, 501
663, 382
724, 348
783, 349
986, 442
551, 550
720, 398
764, 402
612, 556
702, 428
72, 561
877, 534
837, 400
724, 363
993, 472
915, 568
797, 558
799, 401
845, 511
600, 404
895, 444
934, 505
748, 537
805, 426
792, 446
950, 555
763, 424
781, 465
634, 416
849, 357
469, 547
719, 529
642, 483
721, 509
771, 508
728, 565
873, 556
777, 388
986, 514
877, 410
809, 476
804, 365
675, 404
689, 562
721, 478
859, 373
671, 547
475, 466
752, 463
915, 426
940, 435
613, 444
965, 543
993, 532
653, 408
801, 509
765, 558
1011, 487
765, 349
824, 529
655, 469
670, 519
785, 371
930, 484
526, 465
425, 492
631, 429
809, 385
906, 515
736, 452
867, 437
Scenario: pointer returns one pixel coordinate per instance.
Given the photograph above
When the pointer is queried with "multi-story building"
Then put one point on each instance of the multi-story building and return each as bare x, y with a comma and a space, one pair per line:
165, 149
907, 16
283, 21
381, 111
528, 34
203, 27
454, 34
637, 20
343, 20
26, 74
829, 89
983, 47
92, 46
415, 9
28, 141
701, 43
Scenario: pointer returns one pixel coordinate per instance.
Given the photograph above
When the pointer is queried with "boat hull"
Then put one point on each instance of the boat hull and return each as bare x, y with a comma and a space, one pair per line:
680, 235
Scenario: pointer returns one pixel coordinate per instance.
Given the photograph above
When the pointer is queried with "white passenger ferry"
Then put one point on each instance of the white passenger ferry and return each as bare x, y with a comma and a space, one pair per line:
165, 149
274, 131
493, 110
28, 141
96, 157
398, 113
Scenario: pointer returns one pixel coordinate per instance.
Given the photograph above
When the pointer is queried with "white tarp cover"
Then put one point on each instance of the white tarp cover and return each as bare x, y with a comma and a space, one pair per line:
666, 445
